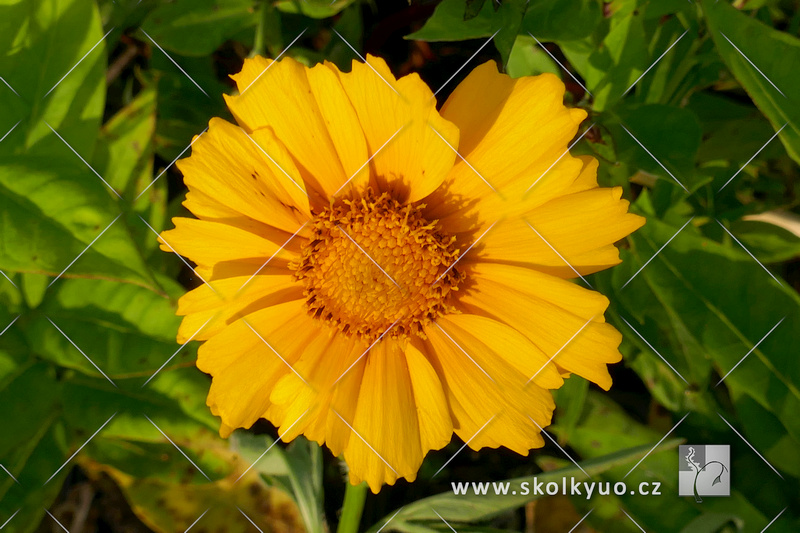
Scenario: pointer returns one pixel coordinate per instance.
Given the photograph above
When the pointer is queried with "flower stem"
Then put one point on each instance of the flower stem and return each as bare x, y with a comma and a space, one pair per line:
267, 38
353, 506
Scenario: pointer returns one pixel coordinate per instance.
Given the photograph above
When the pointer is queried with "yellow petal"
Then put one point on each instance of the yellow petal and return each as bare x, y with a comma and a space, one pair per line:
550, 312
414, 163
215, 305
244, 368
488, 413
577, 230
207, 243
278, 95
514, 133
252, 175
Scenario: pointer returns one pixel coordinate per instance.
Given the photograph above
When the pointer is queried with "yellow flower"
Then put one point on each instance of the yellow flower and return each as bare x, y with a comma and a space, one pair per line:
372, 289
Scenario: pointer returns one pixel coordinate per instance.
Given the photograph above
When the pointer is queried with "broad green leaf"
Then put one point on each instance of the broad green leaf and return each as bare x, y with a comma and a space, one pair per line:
670, 134
43, 47
198, 27
449, 24
318, 9
773, 54
562, 20
32, 444
54, 214
126, 330
471, 507
528, 59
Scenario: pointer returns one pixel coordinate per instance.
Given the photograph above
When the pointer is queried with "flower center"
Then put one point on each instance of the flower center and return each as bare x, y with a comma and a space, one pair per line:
374, 264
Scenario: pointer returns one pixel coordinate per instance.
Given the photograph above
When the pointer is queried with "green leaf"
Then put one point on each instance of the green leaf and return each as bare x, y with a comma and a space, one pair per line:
198, 27
54, 214
528, 59
562, 20
318, 9
670, 134
774, 54
725, 307
124, 329
41, 43
472, 507
473, 8
448, 24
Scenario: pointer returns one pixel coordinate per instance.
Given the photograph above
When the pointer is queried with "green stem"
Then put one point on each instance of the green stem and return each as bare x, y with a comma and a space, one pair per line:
267, 38
353, 506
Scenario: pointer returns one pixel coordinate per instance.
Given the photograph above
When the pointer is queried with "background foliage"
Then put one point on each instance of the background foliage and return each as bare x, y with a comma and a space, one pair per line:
88, 123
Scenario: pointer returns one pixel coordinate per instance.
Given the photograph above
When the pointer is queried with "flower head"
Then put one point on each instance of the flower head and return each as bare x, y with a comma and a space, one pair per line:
380, 274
